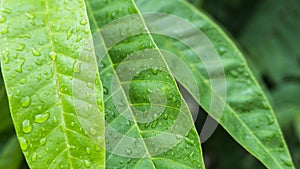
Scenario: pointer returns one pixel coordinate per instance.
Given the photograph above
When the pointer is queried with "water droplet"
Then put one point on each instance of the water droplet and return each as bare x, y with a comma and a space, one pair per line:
20, 47
69, 33
88, 95
2, 19
105, 90
55, 119
43, 141
286, 160
77, 66
26, 126
154, 123
83, 22
78, 39
53, 55
23, 143
189, 141
41, 118
88, 150
23, 81
6, 10
165, 116
34, 156
5, 30
154, 71
128, 151
234, 73
35, 52
93, 131
87, 163
25, 101
20, 68
29, 15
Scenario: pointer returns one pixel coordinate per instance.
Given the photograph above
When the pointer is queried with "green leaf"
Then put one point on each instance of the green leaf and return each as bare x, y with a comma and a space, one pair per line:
247, 116
11, 155
5, 118
133, 72
274, 48
48, 65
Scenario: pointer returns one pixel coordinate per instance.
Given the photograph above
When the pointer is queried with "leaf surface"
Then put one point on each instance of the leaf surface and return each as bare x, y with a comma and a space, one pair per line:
248, 116
48, 65
136, 80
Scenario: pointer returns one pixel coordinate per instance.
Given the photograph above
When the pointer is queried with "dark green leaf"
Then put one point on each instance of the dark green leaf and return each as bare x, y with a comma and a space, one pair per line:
247, 117
150, 78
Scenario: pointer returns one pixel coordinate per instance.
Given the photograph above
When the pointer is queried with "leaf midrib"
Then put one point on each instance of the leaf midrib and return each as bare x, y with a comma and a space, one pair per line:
63, 123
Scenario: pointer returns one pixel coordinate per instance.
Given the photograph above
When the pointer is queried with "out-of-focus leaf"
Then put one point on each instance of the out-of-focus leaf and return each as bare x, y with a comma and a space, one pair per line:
11, 155
247, 117
48, 66
151, 77
5, 118
271, 38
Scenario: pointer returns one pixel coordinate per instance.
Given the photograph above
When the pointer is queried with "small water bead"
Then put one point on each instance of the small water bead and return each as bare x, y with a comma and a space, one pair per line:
41, 118
4, 31
29, 15
128, 151
43, 141
53, 55
23, 81
83, 22
6, 10
35, 52
77, 66
87, 163
26, 126
25, 101
88, 150
23, 143
2, 19
33, 157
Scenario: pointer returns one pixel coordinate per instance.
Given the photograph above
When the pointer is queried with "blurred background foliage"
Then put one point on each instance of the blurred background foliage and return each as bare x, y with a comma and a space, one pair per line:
268, 32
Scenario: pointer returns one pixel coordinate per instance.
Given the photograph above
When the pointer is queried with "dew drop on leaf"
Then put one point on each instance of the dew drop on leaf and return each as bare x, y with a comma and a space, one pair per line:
23, 81
77, 66
93, 131
128, 151
154, 123
25, 101
2, 19
5, 30
41, 118
53, 55
43, 141
29, 15
35, 52
83, 22
6, 10
33, 157
87, 163
23, 143
88, 150
26, 126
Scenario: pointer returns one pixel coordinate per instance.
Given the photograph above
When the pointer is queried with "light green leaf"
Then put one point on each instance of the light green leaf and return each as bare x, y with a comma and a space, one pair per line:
48, 65
247, 116
138, 83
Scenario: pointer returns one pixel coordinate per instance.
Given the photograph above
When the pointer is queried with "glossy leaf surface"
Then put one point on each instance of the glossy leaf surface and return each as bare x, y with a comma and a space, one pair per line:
130, 141
248, 116
48, 65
